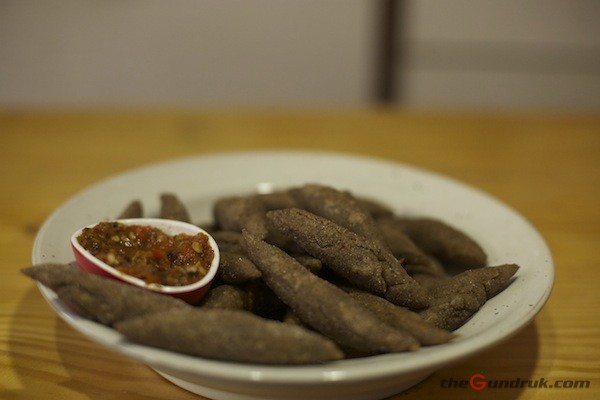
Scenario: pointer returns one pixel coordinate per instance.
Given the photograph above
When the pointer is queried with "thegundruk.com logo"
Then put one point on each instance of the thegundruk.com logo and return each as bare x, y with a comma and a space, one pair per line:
479, 381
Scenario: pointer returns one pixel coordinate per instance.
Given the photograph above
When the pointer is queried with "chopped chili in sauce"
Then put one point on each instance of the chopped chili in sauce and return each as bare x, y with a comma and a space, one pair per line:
148, 253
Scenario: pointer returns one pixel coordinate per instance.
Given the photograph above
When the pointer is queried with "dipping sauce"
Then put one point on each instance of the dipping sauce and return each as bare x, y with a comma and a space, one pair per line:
148, 253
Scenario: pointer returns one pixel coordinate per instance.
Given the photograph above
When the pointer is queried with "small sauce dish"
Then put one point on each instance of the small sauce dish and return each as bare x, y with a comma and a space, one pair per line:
189, 292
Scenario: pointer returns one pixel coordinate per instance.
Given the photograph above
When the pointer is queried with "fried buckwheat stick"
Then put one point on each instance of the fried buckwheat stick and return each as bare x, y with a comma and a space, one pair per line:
414, 260
402, 318
339, 207
290, 317
230, 335
428, 281
323, 306
455, 300
236, 268
364, 263
105, 300
171, 207
277, 200
311, 263
229, 297
449, 245
375, 208
229, 241
237, 213
255, 297
133, 210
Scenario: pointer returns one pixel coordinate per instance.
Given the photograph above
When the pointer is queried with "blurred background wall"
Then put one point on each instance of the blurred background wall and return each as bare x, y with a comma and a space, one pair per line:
416, 53
185, 51
502, 54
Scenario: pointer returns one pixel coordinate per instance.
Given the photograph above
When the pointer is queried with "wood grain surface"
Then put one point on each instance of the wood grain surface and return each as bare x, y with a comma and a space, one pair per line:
547, 167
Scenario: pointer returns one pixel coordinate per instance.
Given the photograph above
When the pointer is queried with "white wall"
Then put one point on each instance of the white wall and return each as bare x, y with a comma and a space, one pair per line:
186, 52
540, 54
516, 54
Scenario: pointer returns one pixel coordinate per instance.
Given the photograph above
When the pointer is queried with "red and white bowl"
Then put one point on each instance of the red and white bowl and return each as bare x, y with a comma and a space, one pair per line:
190, 293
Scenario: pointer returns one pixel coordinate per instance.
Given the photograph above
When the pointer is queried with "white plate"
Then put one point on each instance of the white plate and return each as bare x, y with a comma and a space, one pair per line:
505, 236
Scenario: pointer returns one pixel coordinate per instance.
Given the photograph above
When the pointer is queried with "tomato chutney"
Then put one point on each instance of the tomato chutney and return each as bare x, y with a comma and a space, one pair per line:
148, 253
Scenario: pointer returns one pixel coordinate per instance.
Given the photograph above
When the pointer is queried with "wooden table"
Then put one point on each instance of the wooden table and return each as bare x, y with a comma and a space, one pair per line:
545, 166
